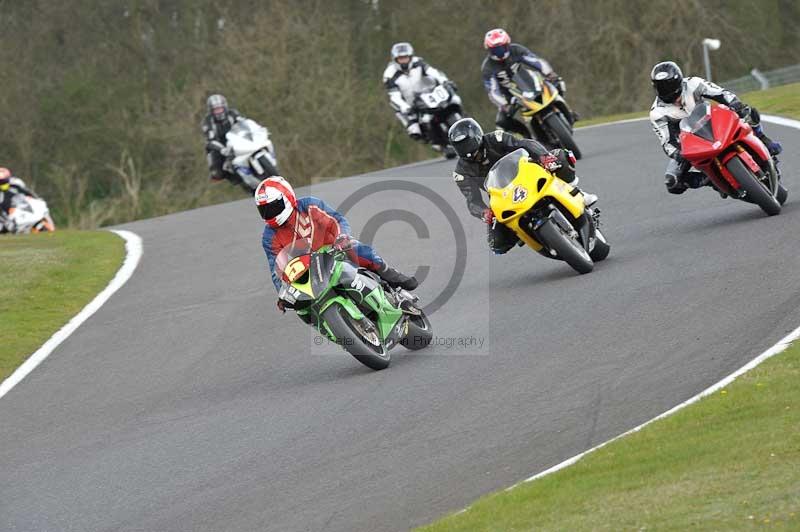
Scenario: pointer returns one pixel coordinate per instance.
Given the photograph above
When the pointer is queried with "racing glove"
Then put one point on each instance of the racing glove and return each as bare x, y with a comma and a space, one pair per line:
740, 108
487, 216
343, 242
282, 305
549, 162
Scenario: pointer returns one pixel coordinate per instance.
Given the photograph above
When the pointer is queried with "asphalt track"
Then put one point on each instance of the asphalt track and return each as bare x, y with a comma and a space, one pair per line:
189, 403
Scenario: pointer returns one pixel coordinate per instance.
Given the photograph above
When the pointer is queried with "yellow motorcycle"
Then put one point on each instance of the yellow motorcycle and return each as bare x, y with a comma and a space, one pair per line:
544, 109
545, 212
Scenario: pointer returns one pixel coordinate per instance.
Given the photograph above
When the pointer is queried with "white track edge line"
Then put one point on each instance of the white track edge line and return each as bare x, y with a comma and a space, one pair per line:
781, 121
779, 347
614, 123
133, 253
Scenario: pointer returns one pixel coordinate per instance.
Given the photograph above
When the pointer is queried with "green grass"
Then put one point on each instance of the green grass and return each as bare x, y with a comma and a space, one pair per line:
729, 462
783, 101
48, 278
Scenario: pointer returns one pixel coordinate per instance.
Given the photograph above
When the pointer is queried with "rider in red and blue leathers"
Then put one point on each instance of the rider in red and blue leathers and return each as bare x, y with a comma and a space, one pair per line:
290, 218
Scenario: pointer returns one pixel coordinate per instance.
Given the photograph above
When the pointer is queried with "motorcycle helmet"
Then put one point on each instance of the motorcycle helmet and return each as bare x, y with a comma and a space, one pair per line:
498, 43
5, 179
218, 107
275, 200
466, 137
402, 52
667, 80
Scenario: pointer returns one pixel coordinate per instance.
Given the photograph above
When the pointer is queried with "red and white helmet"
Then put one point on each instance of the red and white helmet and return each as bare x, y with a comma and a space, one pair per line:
498, 42
275, 200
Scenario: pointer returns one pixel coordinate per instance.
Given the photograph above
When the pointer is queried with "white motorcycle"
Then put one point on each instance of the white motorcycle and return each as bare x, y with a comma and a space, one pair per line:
28, 215
250, 154
439, 107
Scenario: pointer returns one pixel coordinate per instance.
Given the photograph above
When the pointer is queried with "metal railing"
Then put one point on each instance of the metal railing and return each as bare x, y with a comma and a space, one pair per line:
758, 80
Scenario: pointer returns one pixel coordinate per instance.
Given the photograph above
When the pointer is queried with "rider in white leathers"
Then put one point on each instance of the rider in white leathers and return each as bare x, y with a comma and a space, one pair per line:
405, 75
676, 99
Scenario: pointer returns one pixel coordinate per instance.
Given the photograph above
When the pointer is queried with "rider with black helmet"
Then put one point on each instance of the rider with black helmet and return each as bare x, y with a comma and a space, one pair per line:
676, 98
477, 153
216, 124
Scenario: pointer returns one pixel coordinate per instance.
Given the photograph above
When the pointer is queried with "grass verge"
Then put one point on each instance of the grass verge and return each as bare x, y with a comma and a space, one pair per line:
783, 101
729, 462
48, 278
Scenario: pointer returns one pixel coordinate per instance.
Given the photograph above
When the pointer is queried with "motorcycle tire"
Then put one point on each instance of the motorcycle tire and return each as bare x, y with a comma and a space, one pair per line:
569, 250
558, 125
420, 332
269, 170
756, 191
782, 194
353, 341
601, 247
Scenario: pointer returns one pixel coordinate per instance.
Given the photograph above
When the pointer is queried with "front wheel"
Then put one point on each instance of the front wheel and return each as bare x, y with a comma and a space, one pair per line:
358, 337
269, 169
558, 126
754, 189
569, 249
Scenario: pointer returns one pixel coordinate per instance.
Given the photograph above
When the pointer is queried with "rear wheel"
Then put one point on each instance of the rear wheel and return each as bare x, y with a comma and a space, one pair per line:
558, 125
567, 246
358, 337
420, 332
754, 189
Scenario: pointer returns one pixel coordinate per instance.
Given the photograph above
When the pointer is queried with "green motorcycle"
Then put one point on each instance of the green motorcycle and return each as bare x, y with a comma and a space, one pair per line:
351, 306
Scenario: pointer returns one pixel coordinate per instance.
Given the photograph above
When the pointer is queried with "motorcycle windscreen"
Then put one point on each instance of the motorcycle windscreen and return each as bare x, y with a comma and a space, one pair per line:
242, 129
699, 122
294, 260
529, 84
505, 170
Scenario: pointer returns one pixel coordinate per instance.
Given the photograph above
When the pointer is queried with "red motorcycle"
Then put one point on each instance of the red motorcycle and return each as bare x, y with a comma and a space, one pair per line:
715, 140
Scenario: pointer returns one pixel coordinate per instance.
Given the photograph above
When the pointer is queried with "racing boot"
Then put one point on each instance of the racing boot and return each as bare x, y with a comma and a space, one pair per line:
774, 147
588, 199
396, 279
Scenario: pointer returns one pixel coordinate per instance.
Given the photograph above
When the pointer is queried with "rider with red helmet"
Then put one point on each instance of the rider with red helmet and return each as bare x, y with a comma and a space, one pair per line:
501, 63
289, 218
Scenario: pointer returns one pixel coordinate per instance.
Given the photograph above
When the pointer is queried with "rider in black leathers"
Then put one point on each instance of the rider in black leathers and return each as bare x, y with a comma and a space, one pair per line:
478, 153
216, 124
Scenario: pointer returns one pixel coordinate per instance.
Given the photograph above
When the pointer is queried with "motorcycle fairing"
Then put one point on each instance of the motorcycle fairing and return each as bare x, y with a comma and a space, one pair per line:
732, 137
516, 186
